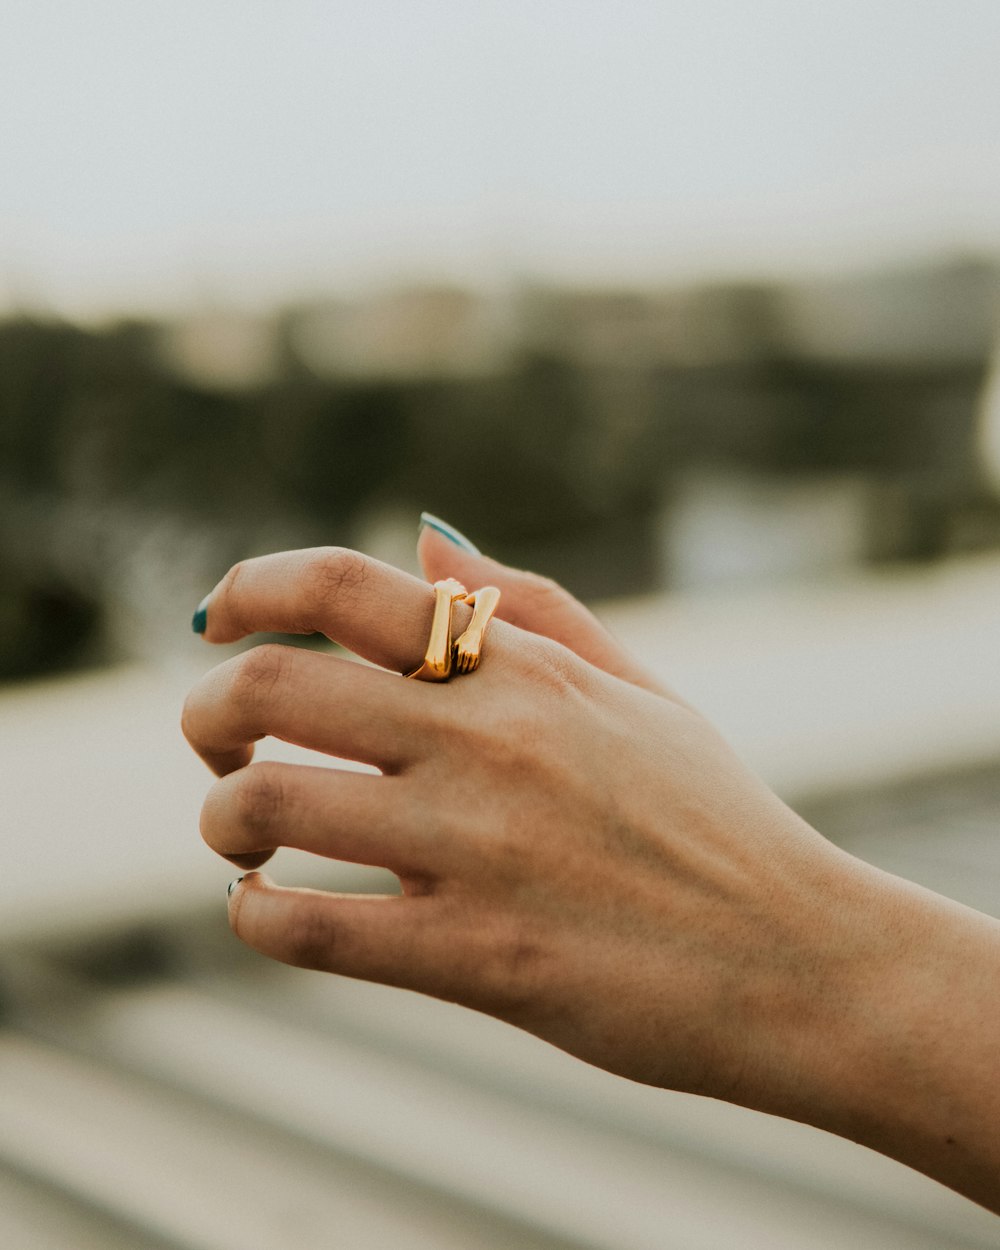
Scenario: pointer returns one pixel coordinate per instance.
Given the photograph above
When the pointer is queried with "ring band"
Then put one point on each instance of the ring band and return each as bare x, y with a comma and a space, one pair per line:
437, 661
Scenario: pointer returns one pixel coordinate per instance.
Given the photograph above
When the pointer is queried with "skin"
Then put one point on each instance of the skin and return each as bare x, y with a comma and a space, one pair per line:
583, 856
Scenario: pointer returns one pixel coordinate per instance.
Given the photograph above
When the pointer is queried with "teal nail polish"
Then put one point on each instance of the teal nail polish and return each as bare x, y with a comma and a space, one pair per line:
199, 621
449, 531
232, 886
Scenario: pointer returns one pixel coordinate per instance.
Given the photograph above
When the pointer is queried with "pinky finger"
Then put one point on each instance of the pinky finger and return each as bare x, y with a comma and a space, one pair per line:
387, 938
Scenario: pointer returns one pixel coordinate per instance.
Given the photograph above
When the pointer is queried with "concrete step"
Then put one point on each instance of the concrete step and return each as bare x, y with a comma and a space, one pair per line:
38, 1215
548, 1146
183, 1167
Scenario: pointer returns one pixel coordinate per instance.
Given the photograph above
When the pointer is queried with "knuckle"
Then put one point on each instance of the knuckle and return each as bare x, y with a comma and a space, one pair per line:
553, 667
230, 588
233, 578
333, 573
259, 801
256, 674
310, 940
513, 969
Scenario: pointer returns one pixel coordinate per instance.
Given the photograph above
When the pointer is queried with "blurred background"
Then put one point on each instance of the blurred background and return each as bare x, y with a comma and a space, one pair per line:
693, 308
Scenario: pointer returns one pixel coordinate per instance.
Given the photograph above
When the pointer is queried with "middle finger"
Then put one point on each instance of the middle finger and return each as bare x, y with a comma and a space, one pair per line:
317, 701
331, 812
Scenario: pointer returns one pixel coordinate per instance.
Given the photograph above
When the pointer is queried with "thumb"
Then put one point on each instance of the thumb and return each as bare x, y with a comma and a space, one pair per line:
527, 600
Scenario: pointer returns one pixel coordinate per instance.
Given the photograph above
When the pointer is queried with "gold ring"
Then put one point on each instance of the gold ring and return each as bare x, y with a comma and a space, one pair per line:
468, 647
436, 665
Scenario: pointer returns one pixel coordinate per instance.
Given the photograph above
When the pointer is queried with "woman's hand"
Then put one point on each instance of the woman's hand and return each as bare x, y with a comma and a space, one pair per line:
580, 854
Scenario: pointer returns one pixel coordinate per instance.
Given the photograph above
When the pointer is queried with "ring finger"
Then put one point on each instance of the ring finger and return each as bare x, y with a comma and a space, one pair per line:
330, 812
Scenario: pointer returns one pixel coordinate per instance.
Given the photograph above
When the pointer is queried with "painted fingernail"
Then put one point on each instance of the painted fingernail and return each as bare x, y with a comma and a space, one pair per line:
453, 535
232, 886
199, 621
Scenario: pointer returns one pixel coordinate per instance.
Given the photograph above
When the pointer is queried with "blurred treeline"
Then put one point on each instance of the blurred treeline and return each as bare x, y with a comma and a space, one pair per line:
557, 426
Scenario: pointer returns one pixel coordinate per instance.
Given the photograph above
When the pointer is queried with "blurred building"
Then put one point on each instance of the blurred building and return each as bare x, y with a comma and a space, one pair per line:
622, 440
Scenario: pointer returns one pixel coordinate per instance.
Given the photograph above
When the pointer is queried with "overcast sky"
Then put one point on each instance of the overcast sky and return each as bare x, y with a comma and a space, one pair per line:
153, 153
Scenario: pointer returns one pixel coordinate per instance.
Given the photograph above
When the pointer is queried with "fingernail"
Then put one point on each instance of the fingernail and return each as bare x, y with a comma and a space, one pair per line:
232, 886
199, 621
453, 535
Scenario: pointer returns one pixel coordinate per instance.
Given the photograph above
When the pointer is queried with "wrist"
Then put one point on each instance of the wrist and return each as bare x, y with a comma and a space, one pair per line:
890, 1031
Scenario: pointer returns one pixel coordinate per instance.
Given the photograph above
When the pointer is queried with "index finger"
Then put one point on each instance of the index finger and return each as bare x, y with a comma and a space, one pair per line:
376, 611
